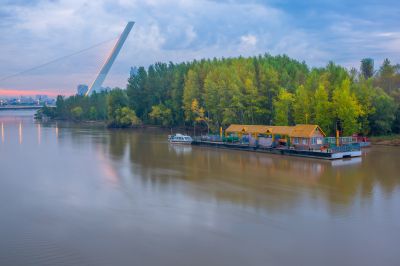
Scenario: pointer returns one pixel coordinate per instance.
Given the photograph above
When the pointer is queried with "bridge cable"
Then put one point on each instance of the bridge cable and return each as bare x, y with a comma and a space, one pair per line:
55, 60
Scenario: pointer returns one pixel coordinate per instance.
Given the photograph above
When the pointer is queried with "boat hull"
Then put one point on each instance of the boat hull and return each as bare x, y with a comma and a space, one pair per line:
181, 142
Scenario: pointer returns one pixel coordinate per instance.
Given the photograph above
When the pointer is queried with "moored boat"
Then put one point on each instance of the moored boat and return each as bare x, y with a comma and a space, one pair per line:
180, 139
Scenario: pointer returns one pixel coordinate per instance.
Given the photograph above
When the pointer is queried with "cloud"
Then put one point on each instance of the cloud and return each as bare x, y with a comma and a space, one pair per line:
248, 40
33, 32
12, 92
359, 38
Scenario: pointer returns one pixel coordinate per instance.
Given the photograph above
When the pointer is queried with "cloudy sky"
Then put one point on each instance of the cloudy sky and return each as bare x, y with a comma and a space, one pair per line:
33, 32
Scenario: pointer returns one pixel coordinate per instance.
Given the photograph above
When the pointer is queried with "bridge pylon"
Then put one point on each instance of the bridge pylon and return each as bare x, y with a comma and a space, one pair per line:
101, 76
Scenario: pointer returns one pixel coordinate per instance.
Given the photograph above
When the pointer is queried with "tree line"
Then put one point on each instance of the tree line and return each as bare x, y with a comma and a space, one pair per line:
271, 90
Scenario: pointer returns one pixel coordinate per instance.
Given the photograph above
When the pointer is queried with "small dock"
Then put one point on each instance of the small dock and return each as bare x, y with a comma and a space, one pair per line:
348, 152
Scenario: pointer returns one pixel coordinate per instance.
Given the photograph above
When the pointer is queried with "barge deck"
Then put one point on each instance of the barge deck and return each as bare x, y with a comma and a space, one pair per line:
326, 155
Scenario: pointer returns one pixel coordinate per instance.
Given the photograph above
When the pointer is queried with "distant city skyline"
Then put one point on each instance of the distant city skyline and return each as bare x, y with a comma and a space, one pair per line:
37, 31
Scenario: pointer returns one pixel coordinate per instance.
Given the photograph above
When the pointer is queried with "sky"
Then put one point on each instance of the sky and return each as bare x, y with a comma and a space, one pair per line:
33, 32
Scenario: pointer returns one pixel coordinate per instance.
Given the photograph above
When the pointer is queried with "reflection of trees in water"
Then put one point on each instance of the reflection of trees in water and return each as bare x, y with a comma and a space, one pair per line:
118, 144
377, 170
252, 179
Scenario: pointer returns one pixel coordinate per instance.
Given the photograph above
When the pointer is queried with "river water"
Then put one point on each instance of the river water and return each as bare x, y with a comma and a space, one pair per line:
73, 195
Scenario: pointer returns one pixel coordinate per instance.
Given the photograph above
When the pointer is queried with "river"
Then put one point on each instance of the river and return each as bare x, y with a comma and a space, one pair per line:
74, 195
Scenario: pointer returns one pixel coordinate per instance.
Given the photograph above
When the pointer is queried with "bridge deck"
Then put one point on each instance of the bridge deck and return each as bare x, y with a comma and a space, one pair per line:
20, 107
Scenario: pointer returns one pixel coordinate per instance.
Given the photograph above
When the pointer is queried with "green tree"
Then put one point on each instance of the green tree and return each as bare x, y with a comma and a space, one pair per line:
387, 78
93, 113
396, 122
161, 115
190, 93
138, 92
282, 106
323, 109
302, 106
347, 108
384, 116
364, 90
367, 67
117, 99
125, 117
77, 112
247, 91
60, 107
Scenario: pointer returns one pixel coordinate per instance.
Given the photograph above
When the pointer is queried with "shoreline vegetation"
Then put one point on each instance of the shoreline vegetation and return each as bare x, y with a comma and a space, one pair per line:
390, 140
105, 125
269, 90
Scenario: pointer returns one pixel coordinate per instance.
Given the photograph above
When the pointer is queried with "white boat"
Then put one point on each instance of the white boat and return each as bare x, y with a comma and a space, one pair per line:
179, 138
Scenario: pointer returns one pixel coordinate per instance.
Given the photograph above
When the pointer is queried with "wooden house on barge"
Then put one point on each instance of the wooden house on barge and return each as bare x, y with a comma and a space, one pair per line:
299, 136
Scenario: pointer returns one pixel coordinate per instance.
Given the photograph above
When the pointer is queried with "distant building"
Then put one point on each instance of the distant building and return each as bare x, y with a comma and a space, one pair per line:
41, 98
82, 89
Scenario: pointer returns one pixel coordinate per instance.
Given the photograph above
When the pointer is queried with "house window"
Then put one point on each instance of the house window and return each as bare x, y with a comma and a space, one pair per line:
313, 141
304, 141
296, 140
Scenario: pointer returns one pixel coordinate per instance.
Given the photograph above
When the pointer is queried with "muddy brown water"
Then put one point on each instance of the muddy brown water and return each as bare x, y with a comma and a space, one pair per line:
72, 195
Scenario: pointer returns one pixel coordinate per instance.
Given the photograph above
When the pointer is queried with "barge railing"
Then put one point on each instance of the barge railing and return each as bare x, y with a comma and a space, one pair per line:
347, 144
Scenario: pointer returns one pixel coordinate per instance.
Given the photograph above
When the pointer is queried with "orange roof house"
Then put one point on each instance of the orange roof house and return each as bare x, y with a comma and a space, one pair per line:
299, 135
301, 130
306, 131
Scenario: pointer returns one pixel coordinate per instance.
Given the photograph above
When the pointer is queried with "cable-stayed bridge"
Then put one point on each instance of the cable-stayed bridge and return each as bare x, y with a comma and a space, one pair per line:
101, 75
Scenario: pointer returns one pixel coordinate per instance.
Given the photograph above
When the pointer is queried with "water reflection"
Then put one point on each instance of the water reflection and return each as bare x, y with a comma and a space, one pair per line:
2, 132
113, 197
180, 149
250, 179
20, 132
345, 162
39, 132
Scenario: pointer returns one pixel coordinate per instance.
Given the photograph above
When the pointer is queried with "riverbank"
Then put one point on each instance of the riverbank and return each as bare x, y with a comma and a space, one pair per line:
391, 140
104, 124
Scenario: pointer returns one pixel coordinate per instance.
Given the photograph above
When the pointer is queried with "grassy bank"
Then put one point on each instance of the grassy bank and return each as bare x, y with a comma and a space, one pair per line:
391, 140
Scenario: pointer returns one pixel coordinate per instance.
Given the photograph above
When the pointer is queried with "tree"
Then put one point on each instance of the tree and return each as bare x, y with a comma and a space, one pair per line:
124, 118
137, 91
268, 88
117, 100
60, 107
386, 77
93, 113
364, 91
161, 115
77, 112
249, 91
190, 93
282, 107
367, 67
384, 116
396, 122
302, 106
347, 108
46, 111
323, 109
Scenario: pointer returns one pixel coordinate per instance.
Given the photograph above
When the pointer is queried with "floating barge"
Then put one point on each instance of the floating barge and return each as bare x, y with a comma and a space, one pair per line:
327, 155
299, 140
